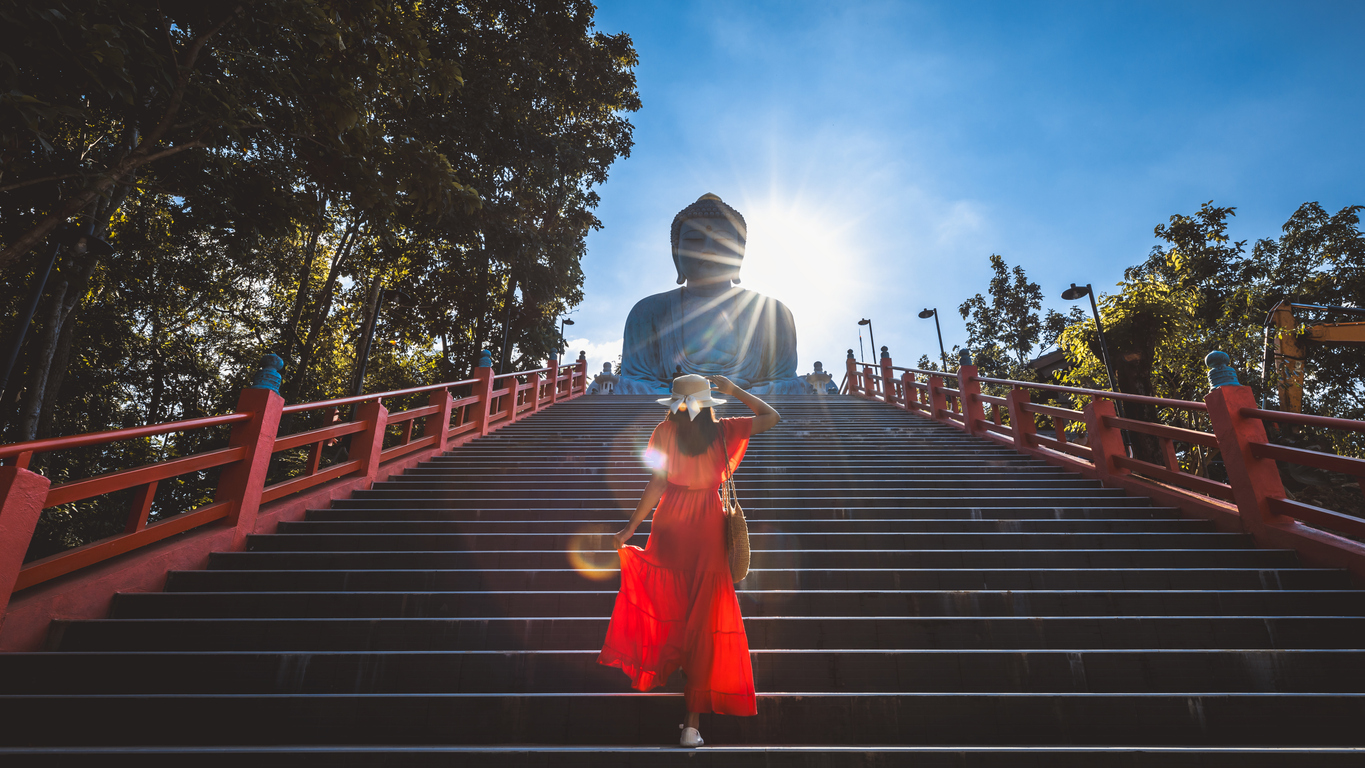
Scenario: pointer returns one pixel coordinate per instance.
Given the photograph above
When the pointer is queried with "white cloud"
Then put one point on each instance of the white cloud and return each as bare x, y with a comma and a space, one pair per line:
605, 352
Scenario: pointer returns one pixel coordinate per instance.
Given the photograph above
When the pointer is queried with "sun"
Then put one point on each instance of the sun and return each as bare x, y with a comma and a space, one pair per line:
807, 257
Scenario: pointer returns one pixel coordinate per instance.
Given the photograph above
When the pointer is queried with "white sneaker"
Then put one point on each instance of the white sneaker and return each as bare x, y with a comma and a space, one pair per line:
691, 738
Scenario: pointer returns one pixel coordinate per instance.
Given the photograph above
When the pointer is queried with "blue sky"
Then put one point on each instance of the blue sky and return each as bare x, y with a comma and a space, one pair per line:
882, 151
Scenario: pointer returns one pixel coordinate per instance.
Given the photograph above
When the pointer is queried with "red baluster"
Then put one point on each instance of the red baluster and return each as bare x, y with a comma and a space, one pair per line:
243, 481
1105, 442
22, 496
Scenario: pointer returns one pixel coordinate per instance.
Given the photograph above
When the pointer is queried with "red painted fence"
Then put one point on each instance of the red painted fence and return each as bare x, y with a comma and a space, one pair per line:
1253, 499
78, 582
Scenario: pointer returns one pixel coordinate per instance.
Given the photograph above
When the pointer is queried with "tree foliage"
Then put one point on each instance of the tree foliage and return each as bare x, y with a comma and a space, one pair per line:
1003, 331
289, 176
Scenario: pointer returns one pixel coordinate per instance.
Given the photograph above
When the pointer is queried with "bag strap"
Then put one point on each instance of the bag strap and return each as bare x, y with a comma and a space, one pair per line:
728, 494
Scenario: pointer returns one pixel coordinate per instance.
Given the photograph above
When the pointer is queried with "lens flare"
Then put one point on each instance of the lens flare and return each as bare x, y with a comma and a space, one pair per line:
590, 555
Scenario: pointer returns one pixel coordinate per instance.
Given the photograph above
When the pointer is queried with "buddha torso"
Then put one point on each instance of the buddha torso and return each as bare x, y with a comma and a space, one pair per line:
717, 328
710, 326
741, 334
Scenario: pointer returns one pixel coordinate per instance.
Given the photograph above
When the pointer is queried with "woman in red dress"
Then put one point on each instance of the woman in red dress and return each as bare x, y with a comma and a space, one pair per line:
676, 607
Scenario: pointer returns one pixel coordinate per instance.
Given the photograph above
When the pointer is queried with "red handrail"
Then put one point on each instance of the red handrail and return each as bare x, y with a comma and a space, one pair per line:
1253, 500
298, 407
1303, 419
254, 439
1188, 405
50, 444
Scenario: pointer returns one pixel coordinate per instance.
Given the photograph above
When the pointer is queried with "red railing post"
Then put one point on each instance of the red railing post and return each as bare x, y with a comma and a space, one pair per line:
581, 371
243, 481
513, 395
851, 364
973, 414
367, 446
938, 404
483, 389
908, 391
439, 423
553, 365
1254, 481
1021, 421
22, 496
869, 383
888, 380
1104, 441
534, 380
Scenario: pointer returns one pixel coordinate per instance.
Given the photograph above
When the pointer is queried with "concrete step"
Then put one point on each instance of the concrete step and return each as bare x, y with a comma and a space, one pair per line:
864, 558
649, 719
620, 510
326, 521
757, 755
798, 602
844, 671
758, 540
764, 632
1111, 579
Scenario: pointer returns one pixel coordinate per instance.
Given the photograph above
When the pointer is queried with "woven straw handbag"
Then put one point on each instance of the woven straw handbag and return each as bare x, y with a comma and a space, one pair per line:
736, 527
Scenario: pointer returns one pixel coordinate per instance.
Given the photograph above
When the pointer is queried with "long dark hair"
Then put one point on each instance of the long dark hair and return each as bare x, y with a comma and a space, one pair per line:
695, 435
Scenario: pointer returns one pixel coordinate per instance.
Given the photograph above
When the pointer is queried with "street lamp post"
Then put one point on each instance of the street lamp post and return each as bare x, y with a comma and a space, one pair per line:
925, 315
870, 337
1072, 294
563, 322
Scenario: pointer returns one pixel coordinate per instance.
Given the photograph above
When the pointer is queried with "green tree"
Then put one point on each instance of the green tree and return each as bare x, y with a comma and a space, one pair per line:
267, 172
1003, 331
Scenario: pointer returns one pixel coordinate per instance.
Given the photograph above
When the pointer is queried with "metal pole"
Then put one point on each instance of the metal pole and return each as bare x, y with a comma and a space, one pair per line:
871, 337
1104, 345
941, 351
25, 317
861, 354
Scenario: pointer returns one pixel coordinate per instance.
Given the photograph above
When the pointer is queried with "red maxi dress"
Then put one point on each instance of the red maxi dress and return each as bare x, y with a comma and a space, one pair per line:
677, 606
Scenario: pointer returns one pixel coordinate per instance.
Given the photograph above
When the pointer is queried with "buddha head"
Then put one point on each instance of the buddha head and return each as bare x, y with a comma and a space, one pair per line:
708, 243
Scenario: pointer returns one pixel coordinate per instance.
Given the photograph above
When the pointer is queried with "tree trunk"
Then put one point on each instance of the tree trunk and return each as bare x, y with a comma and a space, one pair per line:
505, 353
44, 346
291, 331
367, 332
321, 310
56, 377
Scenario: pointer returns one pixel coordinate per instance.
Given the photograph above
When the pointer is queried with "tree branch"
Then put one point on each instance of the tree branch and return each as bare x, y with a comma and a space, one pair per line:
76, 202
182, 80
31, 182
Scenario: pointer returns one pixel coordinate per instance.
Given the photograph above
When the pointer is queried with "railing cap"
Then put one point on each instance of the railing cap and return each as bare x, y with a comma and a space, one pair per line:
1221, 373
271, 373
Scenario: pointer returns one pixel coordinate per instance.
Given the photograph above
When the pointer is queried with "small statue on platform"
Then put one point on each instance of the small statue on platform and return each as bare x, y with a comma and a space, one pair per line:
820, 382
605, 382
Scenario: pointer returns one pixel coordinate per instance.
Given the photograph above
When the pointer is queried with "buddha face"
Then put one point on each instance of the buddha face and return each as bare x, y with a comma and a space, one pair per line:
709, 251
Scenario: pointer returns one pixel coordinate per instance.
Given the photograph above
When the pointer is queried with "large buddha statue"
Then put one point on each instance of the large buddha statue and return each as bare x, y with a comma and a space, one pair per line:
709, 325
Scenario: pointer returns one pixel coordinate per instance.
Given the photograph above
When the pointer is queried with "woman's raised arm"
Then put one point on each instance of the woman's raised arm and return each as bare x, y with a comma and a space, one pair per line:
765, 417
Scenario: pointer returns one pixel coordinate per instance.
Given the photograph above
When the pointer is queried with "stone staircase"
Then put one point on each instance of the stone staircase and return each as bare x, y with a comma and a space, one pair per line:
919, 597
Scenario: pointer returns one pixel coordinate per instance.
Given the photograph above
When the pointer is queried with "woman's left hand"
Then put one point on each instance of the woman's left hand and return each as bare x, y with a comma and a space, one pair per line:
621, 537
723, 385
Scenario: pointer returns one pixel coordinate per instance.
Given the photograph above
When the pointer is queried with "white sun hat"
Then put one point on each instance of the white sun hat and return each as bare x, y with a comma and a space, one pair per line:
692, 392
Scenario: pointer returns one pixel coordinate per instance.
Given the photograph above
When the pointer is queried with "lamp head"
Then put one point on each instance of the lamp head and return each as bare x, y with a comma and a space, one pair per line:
928, 313
1075, 292
567, 321
864, 321
82, 243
